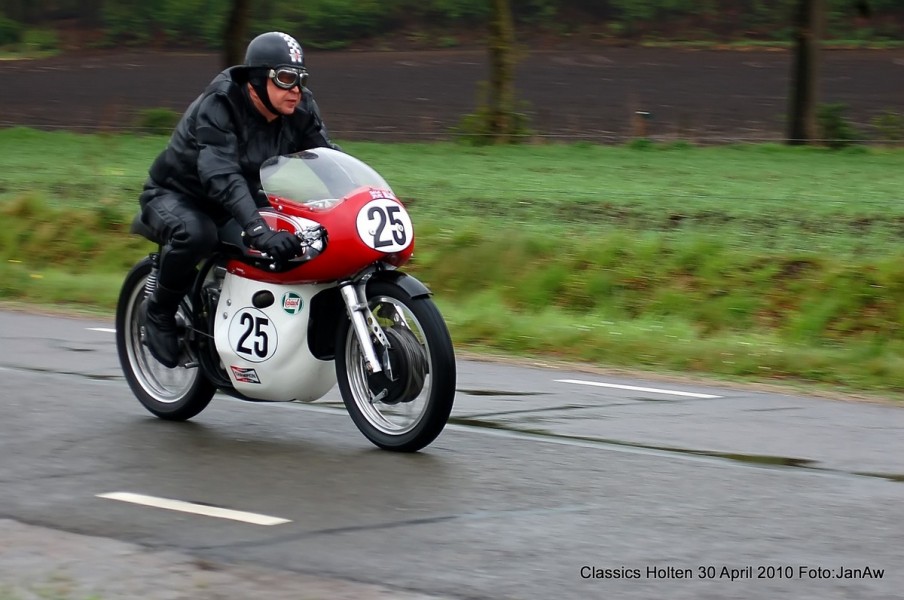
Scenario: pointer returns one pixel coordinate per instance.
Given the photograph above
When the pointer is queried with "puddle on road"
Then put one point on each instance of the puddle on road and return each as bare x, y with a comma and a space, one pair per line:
765, 460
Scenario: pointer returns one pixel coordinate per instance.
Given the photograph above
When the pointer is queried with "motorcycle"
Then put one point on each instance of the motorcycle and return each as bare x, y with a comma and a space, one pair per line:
340, 313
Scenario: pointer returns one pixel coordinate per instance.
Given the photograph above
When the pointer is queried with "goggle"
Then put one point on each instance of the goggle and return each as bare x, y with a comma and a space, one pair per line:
287, 78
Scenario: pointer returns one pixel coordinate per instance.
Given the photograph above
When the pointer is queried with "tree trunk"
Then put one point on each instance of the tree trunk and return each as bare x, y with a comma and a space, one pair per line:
502, 72
235, 33
807, 31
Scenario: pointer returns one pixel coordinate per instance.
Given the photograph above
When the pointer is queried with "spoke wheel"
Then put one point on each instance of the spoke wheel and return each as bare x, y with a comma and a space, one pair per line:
175, 394
406, 407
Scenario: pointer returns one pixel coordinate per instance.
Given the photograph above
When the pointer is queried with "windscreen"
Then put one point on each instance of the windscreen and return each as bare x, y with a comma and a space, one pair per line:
317, 174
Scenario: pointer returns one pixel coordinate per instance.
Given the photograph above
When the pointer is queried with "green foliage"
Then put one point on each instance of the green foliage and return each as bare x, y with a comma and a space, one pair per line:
337, 23
157, 121
10, 31
40, 40
173, 22
322, 21
631, 10
478, 128
193, 20
444, 11
317, 23
542, 12
128, 22
27, 42
761, 261
641, 144
834, 129
889, 127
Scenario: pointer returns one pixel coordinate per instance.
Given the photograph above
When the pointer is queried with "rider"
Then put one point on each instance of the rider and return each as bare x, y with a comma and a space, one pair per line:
209, 171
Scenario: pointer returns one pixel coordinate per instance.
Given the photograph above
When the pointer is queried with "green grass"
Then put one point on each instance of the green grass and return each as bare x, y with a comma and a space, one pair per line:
748, 262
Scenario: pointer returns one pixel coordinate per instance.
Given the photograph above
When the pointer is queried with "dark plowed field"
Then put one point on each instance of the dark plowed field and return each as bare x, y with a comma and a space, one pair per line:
591, 94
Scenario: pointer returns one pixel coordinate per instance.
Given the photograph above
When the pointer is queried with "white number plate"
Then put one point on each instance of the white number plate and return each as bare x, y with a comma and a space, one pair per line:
384, 225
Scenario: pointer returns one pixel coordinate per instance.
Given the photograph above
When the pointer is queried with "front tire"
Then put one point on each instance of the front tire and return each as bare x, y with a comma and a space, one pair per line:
418, 403
176, 394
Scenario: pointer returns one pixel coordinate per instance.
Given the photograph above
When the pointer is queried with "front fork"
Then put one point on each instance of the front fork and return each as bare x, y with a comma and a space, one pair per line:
366, 327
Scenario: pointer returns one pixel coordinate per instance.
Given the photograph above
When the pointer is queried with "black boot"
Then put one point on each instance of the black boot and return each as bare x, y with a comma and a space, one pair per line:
160, 329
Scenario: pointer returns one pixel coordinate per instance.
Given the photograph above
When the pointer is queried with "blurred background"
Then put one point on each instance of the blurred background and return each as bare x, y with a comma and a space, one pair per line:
637, 155
601, 70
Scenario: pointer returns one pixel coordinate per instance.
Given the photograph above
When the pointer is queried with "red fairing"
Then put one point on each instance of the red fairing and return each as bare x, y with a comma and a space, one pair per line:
365, 220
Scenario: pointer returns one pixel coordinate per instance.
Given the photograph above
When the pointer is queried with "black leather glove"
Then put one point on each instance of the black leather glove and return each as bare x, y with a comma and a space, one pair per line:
279, 245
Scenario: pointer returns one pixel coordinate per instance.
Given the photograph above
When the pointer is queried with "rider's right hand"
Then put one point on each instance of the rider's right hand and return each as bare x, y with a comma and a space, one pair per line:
279, 245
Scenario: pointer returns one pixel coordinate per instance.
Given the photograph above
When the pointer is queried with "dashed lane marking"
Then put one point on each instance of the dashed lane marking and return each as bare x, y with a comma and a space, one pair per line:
198, 509
635, 388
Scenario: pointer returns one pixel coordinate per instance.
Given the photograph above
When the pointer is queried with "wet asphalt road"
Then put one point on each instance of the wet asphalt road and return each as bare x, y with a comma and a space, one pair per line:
544, 486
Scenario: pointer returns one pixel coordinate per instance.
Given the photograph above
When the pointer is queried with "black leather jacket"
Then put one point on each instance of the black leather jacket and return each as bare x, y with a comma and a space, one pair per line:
214, 155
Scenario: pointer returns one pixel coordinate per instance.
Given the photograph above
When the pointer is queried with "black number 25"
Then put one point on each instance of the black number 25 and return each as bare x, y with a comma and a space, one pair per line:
254, 326
387, 215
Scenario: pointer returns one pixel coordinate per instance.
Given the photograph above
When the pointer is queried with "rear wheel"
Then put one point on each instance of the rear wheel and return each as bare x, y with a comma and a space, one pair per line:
174, 394
407, 409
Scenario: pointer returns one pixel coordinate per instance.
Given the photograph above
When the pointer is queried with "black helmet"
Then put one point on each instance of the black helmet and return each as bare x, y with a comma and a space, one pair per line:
274, 49
269, 52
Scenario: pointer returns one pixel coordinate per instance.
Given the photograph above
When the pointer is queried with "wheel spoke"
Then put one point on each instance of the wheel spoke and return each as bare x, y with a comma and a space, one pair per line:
396, 418
164, 385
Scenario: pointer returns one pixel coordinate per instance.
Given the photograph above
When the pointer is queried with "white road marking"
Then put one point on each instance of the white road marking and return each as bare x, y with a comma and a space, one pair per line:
634, 388
198, 509
574, 381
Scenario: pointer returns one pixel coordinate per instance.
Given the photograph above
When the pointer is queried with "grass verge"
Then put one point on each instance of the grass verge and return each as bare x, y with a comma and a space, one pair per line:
757, 263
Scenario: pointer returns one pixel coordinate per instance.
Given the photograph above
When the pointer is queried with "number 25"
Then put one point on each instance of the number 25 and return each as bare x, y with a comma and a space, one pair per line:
254, 326
396, 225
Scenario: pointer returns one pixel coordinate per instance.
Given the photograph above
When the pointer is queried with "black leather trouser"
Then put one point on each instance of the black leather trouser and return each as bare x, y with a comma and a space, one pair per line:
186, 234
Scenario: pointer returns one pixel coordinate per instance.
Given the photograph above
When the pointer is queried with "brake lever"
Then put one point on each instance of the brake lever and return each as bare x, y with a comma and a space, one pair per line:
307, 239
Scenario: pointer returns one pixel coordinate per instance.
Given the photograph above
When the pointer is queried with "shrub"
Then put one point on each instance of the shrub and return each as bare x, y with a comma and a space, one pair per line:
157, 121
835, 130
10, 31
476, 128
889, 127
641, 143
40, 40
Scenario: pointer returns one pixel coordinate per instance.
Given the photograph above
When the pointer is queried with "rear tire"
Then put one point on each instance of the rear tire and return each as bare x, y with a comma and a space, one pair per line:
176, 394
420, 400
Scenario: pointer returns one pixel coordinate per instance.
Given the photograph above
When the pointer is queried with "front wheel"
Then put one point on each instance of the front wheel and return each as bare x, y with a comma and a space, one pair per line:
406, 409
174, 394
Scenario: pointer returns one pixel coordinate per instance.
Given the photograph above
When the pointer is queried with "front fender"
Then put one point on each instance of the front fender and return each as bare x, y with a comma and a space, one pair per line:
328, 309
412, 286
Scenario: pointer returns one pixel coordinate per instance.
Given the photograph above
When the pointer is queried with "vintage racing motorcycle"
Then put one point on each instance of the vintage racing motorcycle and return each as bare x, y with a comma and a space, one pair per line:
342, 312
